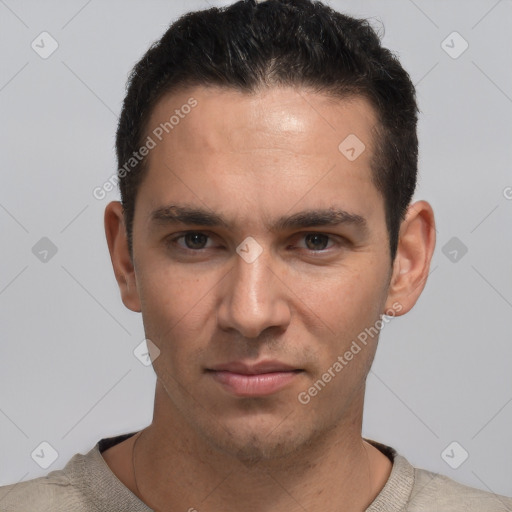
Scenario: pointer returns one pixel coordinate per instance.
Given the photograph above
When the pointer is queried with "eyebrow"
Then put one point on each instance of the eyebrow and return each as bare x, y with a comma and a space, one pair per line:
183, 214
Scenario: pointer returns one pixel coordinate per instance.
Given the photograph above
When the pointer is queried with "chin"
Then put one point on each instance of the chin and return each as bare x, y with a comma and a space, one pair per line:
250, 444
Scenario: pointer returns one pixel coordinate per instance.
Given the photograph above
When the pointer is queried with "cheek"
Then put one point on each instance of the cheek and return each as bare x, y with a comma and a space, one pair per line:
175, 310
346, 299
345, 347
171, 292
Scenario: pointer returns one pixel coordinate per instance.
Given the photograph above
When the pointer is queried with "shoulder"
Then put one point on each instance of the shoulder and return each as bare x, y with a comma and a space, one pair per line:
435, 492
85, 484
411, 489
53, 492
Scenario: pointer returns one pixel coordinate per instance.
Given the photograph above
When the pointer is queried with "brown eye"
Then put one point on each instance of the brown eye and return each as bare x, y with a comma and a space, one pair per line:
316, 241
195, 240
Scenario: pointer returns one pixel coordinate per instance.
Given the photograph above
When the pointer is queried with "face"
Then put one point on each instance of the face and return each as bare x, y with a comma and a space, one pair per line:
285, 263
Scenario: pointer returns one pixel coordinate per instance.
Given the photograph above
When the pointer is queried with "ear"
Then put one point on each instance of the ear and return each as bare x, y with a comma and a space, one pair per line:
117, 241
417, 240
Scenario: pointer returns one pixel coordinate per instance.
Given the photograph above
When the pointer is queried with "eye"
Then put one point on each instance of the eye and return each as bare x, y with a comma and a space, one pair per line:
194, 240
316, 242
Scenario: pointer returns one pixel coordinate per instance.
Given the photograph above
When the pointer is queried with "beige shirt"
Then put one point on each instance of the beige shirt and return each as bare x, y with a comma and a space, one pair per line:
87, 484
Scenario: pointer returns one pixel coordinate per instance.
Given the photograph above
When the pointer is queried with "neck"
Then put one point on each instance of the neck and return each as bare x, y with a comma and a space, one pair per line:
176, 468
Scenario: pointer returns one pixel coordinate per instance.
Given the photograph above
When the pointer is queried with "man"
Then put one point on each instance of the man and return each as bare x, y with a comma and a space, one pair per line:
267, 160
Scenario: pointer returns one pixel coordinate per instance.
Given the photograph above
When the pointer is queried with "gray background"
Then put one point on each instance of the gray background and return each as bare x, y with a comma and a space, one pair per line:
68, 375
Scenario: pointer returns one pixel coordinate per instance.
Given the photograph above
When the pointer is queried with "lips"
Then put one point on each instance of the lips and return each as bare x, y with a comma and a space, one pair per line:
254, 369
260, 379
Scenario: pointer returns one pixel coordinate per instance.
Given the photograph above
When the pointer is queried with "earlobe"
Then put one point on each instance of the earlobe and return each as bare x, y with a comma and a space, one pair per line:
122, 264
414, 254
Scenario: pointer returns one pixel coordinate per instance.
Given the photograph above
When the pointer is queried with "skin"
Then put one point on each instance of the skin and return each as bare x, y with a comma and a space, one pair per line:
254, 158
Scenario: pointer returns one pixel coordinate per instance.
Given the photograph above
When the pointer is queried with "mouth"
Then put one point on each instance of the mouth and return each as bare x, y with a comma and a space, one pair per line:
260, 379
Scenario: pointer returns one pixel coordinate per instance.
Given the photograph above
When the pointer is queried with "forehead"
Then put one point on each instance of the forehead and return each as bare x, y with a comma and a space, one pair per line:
276, 119
257, 155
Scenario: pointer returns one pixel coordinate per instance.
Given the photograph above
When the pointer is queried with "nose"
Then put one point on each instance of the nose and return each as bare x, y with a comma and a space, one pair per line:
253, 297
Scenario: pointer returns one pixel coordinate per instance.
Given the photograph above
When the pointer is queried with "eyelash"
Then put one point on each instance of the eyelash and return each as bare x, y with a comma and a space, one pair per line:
173, 241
